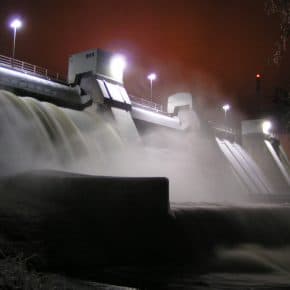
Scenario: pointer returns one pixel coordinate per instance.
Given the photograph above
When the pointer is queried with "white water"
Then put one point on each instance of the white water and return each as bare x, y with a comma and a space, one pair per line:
37, 135
247, 243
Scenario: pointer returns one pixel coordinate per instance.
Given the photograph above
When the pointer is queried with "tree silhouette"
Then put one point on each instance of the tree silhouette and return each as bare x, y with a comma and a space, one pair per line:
282, 9
282, 97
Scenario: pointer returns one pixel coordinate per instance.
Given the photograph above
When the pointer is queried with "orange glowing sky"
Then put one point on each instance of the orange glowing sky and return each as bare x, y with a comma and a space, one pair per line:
214, 48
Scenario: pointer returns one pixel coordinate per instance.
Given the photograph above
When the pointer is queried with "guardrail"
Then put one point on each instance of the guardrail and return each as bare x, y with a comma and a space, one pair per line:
30, 69
225, 131
222, 129
141, 102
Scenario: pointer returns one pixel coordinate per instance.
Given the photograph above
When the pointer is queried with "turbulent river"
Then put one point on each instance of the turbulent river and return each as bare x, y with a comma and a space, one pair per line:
216, 236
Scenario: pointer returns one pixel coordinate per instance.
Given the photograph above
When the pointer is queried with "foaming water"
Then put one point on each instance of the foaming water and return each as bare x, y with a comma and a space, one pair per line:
238, 246
39, 135
214, 227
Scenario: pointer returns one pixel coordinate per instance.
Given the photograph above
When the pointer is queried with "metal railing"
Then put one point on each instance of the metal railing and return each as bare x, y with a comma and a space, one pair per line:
30, 69
224, 131
141, 102
222, 128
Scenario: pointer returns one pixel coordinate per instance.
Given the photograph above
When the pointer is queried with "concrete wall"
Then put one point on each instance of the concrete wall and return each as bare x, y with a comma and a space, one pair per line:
42, 89
84, 220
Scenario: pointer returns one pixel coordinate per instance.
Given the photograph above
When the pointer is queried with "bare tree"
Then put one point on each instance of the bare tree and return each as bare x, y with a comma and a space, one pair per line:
282, 9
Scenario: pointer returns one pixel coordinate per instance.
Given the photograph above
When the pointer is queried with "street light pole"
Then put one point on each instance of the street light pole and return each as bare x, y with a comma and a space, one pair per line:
14, 42
151, 98
226, 107
151, 77
15, 24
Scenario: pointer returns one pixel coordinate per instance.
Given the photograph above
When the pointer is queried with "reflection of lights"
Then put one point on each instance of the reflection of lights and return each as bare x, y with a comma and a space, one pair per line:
117, 66
266, 127
26, 77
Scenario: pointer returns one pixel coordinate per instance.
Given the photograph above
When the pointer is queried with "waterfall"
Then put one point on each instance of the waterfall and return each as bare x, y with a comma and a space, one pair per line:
38, 135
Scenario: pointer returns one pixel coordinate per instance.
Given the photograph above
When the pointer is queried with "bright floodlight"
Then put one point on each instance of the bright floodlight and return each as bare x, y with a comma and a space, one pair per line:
226, 107
266, 127
152, 77
15, 24
117, 66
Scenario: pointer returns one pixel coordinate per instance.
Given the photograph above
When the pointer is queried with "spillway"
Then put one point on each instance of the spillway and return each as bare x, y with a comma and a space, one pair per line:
199, 166
142, 197
245, 167
39, 135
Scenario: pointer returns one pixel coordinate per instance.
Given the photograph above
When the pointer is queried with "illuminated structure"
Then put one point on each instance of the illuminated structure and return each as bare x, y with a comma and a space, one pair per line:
151, 77
226, 108
15, 24
95, 84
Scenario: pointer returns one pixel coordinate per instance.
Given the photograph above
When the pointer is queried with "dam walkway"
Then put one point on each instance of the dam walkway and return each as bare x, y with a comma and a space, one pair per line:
31, 69
34, 70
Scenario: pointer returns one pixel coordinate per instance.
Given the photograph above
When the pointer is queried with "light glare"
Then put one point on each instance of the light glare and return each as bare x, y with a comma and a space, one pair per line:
226, 107
16, 23
118, 65
266, 127
152, 77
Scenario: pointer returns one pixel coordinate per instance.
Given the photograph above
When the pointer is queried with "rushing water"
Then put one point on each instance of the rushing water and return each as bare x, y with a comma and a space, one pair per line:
230, 245
39, 135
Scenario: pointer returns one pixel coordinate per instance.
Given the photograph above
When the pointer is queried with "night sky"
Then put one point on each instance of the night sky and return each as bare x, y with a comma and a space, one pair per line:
212, 48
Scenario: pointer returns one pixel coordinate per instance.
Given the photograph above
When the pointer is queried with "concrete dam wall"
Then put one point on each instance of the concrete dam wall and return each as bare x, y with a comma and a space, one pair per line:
111, 142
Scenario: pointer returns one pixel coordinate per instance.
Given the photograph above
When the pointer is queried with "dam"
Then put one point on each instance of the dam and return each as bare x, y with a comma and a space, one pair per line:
126, 182
129, 128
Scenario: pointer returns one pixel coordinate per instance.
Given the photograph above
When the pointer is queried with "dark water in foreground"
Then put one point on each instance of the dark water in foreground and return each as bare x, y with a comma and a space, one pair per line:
222, 247
223, 281
81, 226
97, 229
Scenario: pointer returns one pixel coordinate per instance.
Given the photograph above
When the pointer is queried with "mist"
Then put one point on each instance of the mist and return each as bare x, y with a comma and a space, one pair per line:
211, 228
38, 135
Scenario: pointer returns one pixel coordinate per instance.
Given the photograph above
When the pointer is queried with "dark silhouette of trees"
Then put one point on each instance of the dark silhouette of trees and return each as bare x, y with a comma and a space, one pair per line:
282, 9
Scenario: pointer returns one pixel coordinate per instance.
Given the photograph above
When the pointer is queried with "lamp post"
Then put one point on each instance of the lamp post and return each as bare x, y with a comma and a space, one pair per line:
226, 108
15, 24
151, 77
